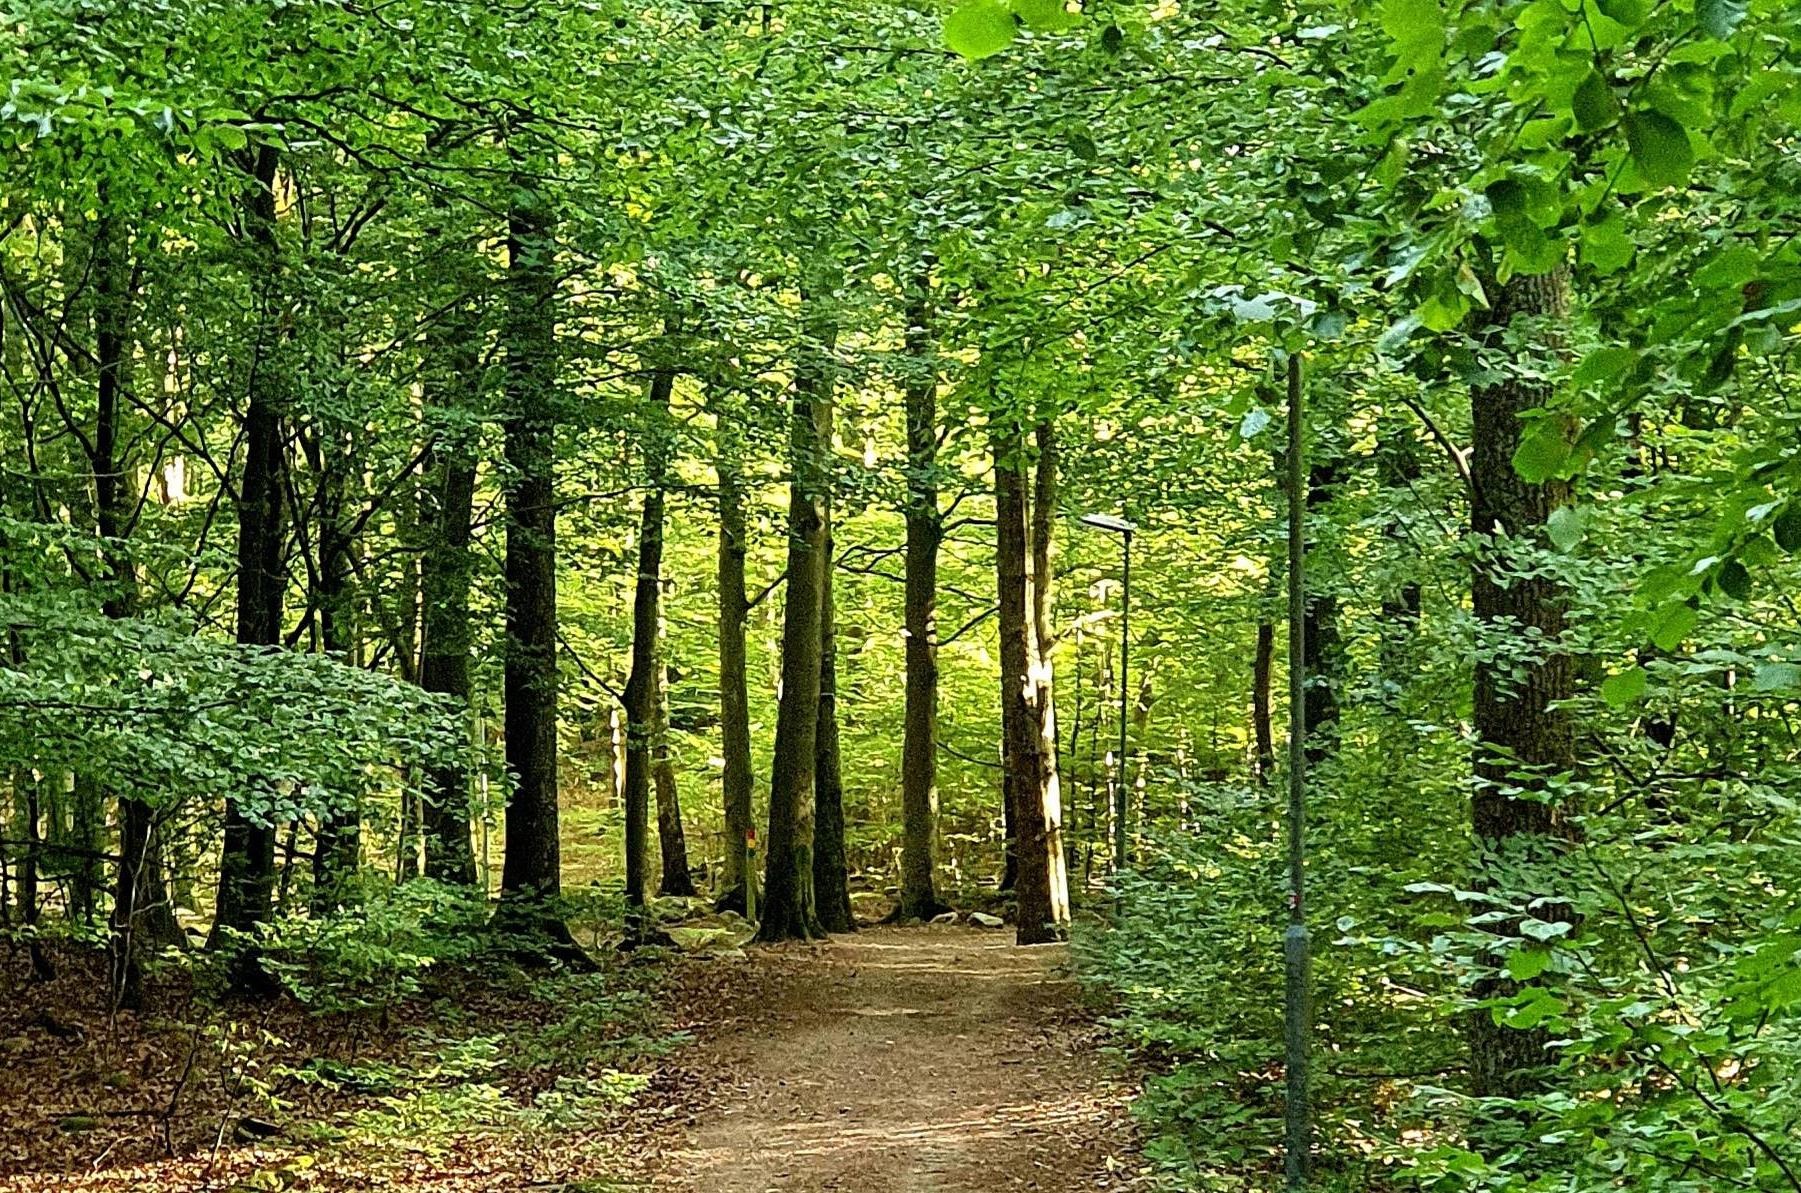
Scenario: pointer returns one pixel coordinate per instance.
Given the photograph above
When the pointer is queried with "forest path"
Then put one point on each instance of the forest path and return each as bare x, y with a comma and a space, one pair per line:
898, 1060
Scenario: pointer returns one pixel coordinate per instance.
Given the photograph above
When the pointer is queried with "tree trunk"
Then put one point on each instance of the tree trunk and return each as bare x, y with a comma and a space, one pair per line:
1323, 648
531, 875
447, 567
337, 847
1523, 742
676, 880
789, 910
925, 532
831, 878
247, 860
734, 683
642, 682
1262, 667
1029, 762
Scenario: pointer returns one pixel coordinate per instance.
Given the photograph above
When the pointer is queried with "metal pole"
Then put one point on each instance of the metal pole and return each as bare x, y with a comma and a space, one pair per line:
1120, 798
1295, 945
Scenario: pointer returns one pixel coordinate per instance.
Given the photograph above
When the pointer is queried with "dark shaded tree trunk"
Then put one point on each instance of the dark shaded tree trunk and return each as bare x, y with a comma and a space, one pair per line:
1262, 668
1523, 742
1323, 652
1029, 762
831, 875
734, 682
447, 568
641, 694
789, 910
1397, 468
677, 879
142, 918
925, 533
247, 860
337, 848
531, 874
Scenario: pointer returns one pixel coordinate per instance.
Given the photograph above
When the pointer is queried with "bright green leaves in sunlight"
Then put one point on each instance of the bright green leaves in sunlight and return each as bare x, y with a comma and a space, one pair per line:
980, 29
1660, 148
1545, 451
1625, 688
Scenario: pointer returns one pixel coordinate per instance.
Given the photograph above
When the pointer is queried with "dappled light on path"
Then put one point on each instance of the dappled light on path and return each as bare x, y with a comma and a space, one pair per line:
904, 1060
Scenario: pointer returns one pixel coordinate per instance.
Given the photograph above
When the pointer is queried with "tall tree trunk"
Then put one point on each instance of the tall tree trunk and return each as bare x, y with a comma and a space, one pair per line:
831, 878
142, 917
1262, 668
1323, 652
1041, 885
247, 860
647, 619
531, 874
447, 568
676, 879
789, 910
925, 533
337, 847
734, 683
1523, 742
1397, 468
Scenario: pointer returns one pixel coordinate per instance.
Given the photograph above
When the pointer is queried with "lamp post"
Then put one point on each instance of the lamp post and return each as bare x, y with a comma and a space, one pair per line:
1296, 947
1124, 529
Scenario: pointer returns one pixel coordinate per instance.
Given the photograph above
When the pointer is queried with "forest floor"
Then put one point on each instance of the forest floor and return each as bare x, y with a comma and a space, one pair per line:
938, 1058
898, 1060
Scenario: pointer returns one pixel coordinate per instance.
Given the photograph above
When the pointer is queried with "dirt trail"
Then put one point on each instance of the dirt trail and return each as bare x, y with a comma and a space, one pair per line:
899, 1060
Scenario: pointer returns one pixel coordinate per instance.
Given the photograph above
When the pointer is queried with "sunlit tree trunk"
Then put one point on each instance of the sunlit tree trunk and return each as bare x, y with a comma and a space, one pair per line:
925, 532
789, 909
734, 699
642, 681
1028, 759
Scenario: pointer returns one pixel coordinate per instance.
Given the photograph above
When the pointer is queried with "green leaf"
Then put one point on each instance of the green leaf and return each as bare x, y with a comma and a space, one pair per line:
1046, 16
1605, 247
1734, 580
1630, 13
1544, 929
1542, 453
1787, 528
1525, 964
1604, 363
1776, 677
1565, 527
1719, 18
1254, 421
1673, 626
980, 29
1730, 268
1660, 148
1594, 104
1625, 687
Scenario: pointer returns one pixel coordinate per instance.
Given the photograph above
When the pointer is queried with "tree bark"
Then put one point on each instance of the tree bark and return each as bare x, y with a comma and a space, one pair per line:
831, 877
789, 910
531, 876
676, 880
447, 567
1029, 762
1323, 648
338, 844
925, 533
247, 860
734, 683
1522, 740
642, 681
